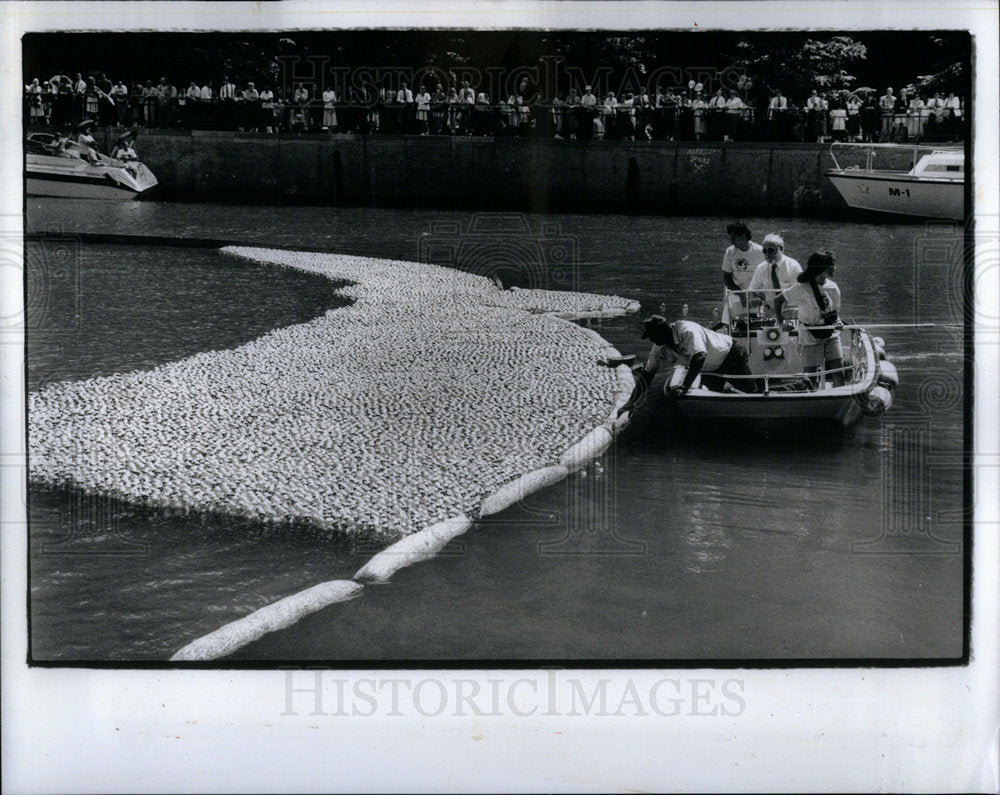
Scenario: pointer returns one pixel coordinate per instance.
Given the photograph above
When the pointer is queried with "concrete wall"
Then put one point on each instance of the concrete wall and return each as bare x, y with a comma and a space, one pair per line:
534, 175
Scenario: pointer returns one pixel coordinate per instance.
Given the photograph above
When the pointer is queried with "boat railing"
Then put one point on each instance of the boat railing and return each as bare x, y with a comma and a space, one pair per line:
805, 381
853, 371
918, 150
765, 291
757, 310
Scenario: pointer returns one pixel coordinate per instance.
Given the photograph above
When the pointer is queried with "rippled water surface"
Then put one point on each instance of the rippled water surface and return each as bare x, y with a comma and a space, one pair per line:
717, 542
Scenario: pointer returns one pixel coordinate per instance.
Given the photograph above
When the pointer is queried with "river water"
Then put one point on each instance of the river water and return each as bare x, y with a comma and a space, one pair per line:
705, 543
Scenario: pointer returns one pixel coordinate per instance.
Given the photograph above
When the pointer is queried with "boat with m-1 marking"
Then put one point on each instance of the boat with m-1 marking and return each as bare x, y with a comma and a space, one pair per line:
933, 187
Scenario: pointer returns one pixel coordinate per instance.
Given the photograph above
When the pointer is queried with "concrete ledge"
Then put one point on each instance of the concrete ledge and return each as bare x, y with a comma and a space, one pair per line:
659, 177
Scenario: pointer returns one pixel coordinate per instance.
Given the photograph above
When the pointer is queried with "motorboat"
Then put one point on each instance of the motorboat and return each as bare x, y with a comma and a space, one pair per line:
786, 391
56, 166
933, 187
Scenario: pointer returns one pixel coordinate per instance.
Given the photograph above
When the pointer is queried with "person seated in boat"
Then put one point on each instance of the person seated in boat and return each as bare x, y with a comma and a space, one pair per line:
818, 299
701, 350
124, 149
738, 266
775, 274
60, 147
86, 142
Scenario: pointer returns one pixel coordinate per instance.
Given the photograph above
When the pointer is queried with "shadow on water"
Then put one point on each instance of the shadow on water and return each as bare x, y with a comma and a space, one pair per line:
659, 426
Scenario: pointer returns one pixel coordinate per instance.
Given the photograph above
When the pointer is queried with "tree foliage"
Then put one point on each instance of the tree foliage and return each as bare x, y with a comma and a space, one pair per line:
947, 73
794, 62
798, 64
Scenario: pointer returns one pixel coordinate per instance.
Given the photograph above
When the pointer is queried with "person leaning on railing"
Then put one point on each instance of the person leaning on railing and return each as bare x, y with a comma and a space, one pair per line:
485, 115
733, 119
265, 117
423, 101
582, 114
227, 105
853, 117
887, 108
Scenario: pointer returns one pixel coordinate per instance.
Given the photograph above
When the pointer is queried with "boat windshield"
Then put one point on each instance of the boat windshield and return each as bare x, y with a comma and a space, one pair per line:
942, 165
50, 145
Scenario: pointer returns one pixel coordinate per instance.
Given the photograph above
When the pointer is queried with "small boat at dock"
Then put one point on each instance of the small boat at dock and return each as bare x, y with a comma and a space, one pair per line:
933, 187
54, 167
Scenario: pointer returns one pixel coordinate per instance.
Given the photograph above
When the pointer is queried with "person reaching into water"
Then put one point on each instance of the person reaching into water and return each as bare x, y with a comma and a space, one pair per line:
699, 349
818, 299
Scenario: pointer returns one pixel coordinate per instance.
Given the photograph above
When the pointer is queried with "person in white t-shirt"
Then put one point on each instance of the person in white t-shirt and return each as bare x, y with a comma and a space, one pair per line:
734, 116
739, 264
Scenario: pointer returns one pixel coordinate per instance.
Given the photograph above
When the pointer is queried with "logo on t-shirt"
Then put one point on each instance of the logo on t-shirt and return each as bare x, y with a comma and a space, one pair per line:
742, 264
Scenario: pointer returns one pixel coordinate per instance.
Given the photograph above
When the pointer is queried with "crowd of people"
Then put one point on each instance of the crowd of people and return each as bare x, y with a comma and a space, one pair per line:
461, 109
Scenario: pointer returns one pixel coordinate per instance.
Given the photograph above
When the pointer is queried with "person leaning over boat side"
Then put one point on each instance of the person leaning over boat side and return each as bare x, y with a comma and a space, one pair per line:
739, 264
775, 274
818, 299
699, 349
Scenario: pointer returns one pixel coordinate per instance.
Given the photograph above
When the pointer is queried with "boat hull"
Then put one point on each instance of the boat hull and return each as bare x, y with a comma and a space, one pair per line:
787, 394
60, 171
839, 405
901, 194
40, 185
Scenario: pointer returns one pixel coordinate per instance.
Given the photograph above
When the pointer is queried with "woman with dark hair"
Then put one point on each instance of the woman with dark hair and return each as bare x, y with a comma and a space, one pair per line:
739, 264
818, 299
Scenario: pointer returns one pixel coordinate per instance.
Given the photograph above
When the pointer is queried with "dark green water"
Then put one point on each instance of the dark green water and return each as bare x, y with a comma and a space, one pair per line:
684, 544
